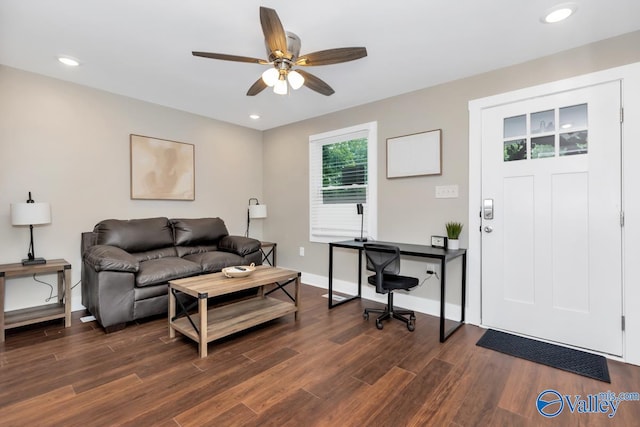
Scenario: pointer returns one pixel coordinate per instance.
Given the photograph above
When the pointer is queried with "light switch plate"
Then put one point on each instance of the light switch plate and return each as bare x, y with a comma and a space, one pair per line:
447, 191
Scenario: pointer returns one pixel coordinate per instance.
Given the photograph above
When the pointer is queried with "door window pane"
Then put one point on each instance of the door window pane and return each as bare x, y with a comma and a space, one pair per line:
573, 143
543, 121
515, 126
543, 146
515, 150
574, 117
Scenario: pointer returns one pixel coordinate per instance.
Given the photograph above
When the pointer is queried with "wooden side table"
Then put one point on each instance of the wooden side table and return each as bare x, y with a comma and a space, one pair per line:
271, 253
27, 316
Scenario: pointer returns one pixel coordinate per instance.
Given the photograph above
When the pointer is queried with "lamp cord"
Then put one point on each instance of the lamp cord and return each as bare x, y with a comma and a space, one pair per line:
51, 296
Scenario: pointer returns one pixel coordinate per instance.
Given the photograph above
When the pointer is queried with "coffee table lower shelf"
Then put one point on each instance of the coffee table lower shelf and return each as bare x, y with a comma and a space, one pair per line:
235, 317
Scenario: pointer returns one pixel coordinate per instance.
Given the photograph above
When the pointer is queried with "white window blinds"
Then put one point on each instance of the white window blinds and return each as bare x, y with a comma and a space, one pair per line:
342, 173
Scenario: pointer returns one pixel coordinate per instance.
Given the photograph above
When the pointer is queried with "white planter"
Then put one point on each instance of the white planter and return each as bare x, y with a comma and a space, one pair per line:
453, 244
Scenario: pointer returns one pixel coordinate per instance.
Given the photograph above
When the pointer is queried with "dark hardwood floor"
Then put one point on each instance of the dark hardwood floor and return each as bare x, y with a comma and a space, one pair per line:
330, 368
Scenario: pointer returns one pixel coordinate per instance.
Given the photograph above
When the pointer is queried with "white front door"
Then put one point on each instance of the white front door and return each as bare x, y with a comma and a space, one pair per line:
551, 227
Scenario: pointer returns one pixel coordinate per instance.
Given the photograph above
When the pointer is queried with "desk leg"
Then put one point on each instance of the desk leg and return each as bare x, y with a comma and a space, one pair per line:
445, 335
443, 283
67, 297
330, 295
359, 273
464, 284
202, 312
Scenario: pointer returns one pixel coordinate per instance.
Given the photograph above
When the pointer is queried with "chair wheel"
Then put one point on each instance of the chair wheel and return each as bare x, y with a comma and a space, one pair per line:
366, 316
411, 326
379, 324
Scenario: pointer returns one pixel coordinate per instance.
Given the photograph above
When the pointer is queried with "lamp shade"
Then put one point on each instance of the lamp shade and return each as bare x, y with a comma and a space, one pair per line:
270, 77
296, 80
257, 211
30, 213
281, 87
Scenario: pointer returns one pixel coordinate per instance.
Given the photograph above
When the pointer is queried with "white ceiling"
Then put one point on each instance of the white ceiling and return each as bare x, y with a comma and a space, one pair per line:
142, 48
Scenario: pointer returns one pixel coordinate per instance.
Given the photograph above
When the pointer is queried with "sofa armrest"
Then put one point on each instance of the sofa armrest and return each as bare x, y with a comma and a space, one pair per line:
110, 258
239, 245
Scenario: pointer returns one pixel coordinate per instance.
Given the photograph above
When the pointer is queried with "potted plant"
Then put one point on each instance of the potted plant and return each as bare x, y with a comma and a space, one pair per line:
453, 234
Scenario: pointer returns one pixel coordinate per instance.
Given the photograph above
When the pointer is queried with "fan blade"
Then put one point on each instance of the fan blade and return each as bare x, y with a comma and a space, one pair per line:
257, 87
225, 57
314, 83
273, 31
333, 56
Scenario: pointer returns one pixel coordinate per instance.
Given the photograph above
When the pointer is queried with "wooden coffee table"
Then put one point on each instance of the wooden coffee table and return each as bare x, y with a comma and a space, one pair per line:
230, 318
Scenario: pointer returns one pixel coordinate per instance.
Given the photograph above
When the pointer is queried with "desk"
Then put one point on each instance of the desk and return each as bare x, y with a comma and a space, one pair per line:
423, 251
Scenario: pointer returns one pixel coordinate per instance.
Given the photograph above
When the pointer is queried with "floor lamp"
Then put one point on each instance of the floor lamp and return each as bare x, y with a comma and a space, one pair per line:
31, 213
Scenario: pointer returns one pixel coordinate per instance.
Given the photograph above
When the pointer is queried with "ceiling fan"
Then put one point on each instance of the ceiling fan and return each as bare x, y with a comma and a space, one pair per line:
283, 53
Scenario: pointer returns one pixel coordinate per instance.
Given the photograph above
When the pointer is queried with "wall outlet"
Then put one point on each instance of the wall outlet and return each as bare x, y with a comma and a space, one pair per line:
447, 191
301, 250
432, 268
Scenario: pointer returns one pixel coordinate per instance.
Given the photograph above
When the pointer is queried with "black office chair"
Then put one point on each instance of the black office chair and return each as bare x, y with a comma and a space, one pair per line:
384, 260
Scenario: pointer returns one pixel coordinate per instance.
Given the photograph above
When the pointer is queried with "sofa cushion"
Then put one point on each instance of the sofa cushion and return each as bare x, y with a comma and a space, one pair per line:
162, 270
198, 231
169, 251
135, 235
212, 262
188, 250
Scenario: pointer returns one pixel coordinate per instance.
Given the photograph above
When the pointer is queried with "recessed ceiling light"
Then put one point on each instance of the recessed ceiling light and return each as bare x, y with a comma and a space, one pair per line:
67, 60
559, 13
254, 116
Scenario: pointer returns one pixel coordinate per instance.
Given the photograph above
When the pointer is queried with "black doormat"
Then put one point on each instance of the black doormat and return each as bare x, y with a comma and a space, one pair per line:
567, 359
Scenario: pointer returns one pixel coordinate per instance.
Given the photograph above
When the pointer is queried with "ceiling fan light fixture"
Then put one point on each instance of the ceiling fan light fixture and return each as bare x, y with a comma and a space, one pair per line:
296, 80
281, 87
270, 77
283, 53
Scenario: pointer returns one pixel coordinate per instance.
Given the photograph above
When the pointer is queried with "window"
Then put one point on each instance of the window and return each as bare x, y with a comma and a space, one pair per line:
572, 133
342, 173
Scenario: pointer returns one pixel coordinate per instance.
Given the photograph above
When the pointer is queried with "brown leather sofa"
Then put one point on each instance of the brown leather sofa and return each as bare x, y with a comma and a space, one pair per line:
126, 264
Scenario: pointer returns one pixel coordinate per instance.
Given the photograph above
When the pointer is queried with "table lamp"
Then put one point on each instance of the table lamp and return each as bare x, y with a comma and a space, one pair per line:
31, 213
255, 212
360, 210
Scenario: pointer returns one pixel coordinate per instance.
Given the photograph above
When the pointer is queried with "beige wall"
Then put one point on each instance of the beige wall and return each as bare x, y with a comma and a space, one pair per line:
408, 210
69, 145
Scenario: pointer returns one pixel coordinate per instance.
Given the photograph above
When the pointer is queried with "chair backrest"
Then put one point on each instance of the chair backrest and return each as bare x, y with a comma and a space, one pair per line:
382, 258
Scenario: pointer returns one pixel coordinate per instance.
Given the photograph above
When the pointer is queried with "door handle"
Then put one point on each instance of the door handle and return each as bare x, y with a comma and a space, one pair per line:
488, 229
487, 208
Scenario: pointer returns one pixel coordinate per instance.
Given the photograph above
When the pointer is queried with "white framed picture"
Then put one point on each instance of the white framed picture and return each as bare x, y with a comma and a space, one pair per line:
417, 154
